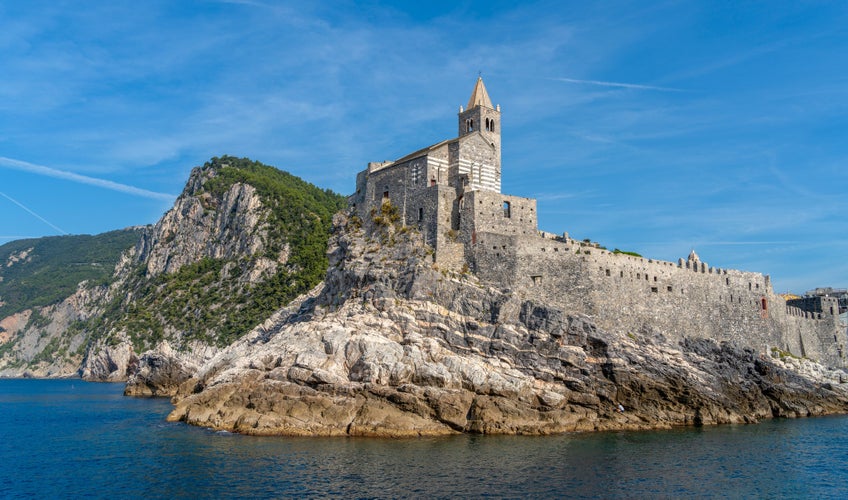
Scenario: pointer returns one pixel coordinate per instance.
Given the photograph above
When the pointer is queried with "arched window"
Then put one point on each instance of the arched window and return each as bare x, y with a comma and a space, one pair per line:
469, 125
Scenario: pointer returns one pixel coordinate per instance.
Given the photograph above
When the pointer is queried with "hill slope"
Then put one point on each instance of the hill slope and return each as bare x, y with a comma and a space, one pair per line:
38, 272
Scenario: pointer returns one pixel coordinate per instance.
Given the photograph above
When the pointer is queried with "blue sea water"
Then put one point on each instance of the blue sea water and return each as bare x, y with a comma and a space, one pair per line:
72, 439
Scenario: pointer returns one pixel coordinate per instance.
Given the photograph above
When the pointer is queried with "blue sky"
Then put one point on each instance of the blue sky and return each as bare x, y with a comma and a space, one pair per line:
655, 127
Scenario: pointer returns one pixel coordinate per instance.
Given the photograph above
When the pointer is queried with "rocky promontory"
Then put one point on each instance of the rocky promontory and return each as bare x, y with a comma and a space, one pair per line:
392, 345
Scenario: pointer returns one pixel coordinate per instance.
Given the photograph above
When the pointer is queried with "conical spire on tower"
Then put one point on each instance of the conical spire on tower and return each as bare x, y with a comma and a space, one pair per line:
479, 96
482, 121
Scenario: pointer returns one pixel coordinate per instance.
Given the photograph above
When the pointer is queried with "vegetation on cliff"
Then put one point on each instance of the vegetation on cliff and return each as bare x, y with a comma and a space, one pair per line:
299, 212
210, 299
40, 271
625, 252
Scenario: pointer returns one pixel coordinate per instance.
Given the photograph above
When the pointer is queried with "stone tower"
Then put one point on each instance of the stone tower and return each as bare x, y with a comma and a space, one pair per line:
481, 118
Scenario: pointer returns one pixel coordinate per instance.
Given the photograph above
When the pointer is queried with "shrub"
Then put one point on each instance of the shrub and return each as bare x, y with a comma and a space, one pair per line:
634, 254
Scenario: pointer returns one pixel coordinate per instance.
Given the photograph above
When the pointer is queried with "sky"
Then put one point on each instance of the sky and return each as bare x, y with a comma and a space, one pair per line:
654, 127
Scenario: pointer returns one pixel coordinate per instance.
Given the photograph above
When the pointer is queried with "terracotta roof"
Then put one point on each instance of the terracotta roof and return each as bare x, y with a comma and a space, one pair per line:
479, 96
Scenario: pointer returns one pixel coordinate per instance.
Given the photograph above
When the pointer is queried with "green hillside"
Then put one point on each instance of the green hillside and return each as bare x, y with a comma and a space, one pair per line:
41, 271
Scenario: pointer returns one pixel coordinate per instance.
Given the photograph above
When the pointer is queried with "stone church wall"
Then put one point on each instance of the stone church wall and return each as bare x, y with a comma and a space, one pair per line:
478, 161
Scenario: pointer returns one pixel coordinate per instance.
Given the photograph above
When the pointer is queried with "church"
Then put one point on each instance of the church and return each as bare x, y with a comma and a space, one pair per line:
451, 191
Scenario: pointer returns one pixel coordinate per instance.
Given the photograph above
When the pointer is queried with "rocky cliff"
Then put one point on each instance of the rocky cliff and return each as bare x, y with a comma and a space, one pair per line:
49, 287
392, 345
242, 240
48, 341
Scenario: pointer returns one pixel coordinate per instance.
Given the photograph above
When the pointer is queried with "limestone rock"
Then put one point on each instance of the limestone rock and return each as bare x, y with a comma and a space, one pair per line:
110, 363
42, 341
391, 346
159, 373
198, 226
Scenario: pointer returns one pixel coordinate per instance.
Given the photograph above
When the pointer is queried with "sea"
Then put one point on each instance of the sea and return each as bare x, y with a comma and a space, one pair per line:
73, 439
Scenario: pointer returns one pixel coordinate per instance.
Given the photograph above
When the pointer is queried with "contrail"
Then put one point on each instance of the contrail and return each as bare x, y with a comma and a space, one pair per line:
618, 84
83, 179
42, 219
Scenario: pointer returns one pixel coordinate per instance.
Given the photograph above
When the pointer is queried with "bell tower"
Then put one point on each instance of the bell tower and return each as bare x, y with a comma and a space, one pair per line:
480, 117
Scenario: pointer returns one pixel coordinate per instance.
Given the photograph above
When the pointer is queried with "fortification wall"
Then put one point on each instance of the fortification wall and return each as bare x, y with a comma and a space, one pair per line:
449, 250
815, 336
422, 209
487, 211
493, 257
432, 210
629, 294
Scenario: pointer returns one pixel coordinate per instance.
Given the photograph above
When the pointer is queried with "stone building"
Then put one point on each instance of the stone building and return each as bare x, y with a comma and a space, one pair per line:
451, 192
452, 189
822, 300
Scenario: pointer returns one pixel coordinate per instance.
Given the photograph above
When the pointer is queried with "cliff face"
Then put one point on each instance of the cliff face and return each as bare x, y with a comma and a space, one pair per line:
49, 287
391, 345
200, 225
198, 228
47, 341
216, 264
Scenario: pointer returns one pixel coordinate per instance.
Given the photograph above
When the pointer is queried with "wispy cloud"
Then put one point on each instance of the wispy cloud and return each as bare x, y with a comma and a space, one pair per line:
746, 243
251, 3
738, 57
564, 196
720, 243
622, 85
82, 179
28, 210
